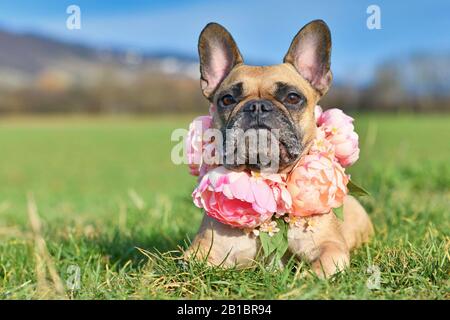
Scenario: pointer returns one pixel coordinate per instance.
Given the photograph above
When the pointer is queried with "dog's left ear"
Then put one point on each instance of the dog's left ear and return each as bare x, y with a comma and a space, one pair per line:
310, 54
218, 55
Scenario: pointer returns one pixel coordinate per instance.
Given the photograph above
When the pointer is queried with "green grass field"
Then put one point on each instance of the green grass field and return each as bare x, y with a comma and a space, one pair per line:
106, 187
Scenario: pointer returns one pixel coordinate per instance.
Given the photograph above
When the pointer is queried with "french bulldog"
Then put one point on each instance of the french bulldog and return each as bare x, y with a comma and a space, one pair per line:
280, 97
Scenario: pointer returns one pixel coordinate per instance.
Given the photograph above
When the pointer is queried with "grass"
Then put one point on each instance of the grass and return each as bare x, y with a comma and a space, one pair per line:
113, 210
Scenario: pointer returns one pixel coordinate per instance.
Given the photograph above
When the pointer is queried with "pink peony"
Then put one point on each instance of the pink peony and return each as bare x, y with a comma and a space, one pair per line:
339, 130
195, 144
321, 144
317, 112
317, 185
241, 199
277, 182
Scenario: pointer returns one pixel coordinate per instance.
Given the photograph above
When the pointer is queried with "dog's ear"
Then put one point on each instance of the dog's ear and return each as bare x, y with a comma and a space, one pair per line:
218, 55
310, 54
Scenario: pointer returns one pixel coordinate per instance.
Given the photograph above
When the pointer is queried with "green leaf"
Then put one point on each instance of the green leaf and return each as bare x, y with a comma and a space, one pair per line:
339, 212
281, 250
266, 243
277, 244
356, 190
283, 242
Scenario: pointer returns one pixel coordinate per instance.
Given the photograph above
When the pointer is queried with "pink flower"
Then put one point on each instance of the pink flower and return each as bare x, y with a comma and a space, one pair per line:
195, 144
317, 112
240, 199
277, 182
321, 144
317, 185
339, 130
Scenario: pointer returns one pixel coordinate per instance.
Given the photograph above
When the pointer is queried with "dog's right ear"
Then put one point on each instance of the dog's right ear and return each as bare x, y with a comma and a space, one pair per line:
310, 54
218, 55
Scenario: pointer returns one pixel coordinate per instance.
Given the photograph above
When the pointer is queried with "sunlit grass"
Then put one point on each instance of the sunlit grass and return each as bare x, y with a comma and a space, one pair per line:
106, 187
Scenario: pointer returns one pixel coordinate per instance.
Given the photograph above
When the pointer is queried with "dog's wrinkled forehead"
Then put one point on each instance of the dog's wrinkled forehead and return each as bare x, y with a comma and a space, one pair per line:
260, 80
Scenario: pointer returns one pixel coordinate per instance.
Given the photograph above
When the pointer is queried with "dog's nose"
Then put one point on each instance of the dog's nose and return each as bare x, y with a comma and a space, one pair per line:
258, 106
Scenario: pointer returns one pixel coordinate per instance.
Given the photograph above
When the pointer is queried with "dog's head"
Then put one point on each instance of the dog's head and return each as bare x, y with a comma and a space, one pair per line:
279, 97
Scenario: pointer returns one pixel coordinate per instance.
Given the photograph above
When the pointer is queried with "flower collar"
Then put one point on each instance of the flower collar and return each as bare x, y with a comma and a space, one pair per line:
317, 184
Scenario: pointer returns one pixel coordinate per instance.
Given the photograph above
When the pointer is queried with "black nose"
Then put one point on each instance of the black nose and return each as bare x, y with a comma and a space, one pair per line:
258, 106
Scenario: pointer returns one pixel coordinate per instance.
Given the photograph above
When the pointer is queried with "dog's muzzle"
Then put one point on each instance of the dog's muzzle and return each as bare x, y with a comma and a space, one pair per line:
261, 137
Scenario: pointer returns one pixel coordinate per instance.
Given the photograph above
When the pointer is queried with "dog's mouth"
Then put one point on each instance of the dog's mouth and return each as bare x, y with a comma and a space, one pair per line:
261, 149
261, 142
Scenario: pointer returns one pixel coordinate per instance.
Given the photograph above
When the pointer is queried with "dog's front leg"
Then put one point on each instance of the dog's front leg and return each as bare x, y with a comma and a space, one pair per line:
222, 245
334, 257
319, 241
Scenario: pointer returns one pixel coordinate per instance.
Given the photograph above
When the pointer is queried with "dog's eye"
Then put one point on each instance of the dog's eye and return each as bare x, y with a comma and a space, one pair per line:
227, 100
292, 98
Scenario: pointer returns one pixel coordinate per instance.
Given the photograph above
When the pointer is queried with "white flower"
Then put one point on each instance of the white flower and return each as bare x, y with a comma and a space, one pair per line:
306, 223
269, 227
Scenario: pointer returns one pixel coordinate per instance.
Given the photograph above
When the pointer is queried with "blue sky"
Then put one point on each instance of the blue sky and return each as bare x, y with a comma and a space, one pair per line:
262, 29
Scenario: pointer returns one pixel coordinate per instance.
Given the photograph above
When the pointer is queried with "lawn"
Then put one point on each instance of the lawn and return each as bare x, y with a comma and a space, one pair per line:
99, 200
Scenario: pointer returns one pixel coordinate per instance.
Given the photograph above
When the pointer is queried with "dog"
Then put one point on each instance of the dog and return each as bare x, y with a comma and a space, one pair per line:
280, 97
